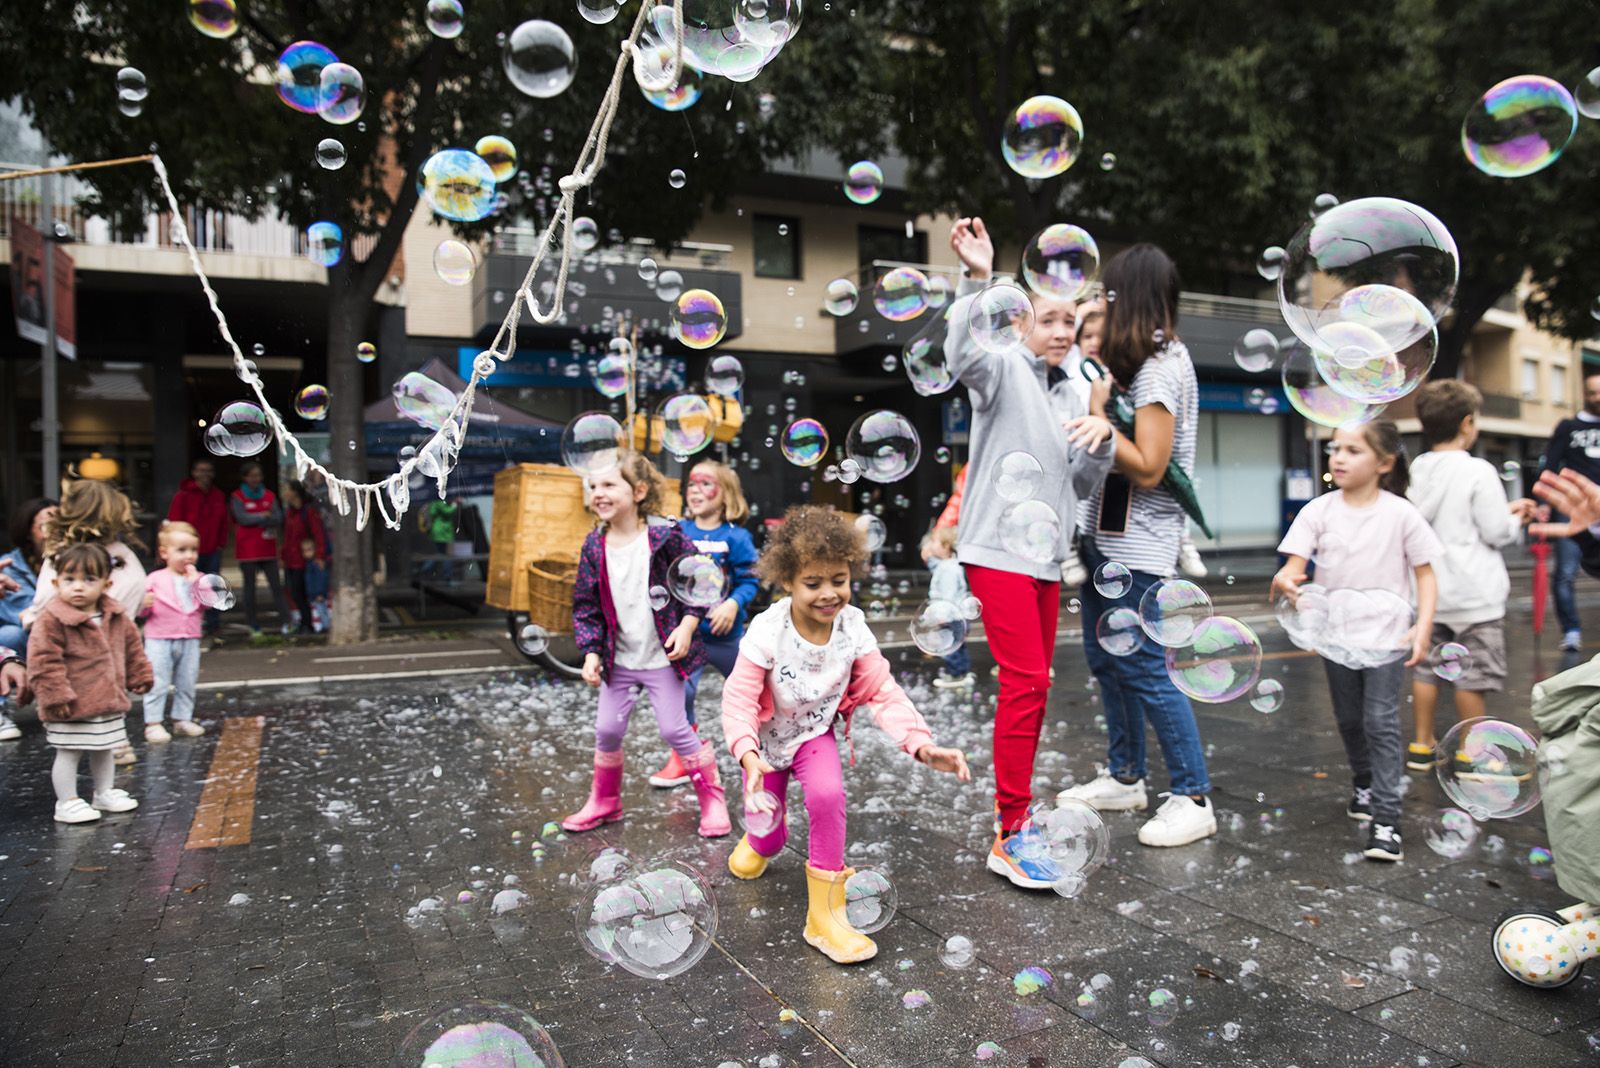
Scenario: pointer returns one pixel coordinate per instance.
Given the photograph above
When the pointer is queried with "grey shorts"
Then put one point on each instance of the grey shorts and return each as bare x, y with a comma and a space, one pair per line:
1485, 667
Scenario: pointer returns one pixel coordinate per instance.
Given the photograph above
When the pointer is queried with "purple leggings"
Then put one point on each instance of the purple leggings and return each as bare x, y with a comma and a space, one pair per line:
665, 687
816, 765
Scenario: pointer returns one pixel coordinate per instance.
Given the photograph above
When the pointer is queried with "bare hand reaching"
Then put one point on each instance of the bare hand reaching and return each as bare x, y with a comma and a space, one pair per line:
970, 241
1571, 493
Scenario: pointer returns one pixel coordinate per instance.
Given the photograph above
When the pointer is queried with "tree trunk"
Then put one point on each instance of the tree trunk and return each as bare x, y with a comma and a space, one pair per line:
355, 601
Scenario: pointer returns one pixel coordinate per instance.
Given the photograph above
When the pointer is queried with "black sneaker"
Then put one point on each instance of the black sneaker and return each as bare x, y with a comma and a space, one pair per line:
1360, 806
1383, 843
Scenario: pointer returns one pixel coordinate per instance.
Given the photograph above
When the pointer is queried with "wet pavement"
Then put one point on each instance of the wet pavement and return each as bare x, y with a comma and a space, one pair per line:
269, 903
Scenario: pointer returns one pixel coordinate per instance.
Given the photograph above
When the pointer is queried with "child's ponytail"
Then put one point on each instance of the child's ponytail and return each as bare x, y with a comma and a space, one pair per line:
1384, 438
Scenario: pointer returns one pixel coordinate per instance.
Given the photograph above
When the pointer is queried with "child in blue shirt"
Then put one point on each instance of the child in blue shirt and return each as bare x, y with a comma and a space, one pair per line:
949, 583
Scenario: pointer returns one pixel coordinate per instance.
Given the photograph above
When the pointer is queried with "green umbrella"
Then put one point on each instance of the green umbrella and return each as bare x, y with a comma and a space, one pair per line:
1176, 481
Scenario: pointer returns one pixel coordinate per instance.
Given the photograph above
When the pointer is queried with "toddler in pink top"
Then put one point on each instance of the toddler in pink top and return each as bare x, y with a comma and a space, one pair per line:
172, 617
805, 664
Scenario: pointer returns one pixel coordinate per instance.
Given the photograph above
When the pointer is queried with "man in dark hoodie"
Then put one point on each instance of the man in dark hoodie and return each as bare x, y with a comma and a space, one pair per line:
202, 504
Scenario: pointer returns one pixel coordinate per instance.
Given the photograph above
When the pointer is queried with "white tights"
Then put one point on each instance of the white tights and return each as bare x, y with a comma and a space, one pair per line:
64, 775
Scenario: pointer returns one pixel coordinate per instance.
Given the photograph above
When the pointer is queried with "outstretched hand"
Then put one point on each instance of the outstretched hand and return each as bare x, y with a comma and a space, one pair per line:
970, 241
756, 796
1571, 493
950, 761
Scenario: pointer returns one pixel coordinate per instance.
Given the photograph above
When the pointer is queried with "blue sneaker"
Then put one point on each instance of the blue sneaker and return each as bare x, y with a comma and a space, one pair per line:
1022, 859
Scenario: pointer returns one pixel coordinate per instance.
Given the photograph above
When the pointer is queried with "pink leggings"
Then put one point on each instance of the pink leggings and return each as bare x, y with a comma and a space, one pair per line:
816, 765
617, 696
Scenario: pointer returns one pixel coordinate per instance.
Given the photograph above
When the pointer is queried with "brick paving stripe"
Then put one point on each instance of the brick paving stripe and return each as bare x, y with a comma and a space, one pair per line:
227, 805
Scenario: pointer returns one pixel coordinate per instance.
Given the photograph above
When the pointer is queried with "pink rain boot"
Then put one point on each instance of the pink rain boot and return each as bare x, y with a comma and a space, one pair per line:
702, 767
605, 796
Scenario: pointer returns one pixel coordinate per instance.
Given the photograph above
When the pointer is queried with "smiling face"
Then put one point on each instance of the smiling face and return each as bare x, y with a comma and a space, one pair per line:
1054, 326
703, 498
819, 591
612, 498
1353, 462
80, 589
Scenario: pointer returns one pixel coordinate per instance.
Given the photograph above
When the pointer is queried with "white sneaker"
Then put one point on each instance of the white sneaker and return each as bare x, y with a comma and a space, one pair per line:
75, 810
954, 682
1106, 794
188, 728
9, 731
1179, 821
115, 799
1073, 573
155, 733
1189, 561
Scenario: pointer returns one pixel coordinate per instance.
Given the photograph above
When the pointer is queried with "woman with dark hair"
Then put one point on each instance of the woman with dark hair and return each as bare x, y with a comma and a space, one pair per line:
301, 523
22, 565
257, 518
1134, 520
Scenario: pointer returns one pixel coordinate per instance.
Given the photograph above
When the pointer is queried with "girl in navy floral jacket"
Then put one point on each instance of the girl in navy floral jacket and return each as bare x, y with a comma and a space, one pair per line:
634, 635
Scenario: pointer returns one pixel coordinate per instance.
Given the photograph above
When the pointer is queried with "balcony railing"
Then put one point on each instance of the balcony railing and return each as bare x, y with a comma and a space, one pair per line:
523, 241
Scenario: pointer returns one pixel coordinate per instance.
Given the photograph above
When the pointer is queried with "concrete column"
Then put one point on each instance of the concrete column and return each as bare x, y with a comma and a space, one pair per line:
176, 435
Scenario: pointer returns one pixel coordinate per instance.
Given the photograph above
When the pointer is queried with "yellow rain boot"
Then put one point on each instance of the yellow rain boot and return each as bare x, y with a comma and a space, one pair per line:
826, 928
745, 862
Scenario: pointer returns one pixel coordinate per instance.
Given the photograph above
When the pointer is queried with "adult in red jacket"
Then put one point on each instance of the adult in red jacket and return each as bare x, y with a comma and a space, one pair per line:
201, 503
256, 521
302, 523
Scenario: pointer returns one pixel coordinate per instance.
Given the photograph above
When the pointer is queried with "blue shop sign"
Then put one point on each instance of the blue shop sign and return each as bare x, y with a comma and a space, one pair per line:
550, 369
955, 421
1235, 397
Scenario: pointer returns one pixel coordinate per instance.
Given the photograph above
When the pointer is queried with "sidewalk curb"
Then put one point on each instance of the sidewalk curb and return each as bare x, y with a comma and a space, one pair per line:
318, 680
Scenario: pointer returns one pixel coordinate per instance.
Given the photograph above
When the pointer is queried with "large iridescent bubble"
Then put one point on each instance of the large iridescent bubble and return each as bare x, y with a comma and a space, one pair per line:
804, 442
341, 94
299, 74
901, 294
1042, 137
686, 424
650, 65
939, 627
1032, 530
1220, 663
478, 1033
592, 443
215, 18
539, 58
1519, 127
423, 400
884, 444
863, 182
500, 154
657, 924
458, 185
1313, 398
325, 243
1061, 261
1000, 317
698, 318
1489, 768
924, 357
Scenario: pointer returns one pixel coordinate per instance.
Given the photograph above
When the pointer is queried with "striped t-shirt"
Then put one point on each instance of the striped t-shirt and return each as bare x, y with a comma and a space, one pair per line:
1154, 523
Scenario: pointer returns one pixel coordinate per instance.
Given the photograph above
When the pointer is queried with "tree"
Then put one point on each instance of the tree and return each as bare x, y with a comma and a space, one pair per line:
230, 144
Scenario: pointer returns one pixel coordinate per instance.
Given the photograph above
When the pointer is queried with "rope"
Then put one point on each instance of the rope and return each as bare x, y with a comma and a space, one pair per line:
392, 496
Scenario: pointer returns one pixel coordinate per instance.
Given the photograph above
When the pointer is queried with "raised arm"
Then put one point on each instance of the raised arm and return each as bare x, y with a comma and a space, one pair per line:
977, 368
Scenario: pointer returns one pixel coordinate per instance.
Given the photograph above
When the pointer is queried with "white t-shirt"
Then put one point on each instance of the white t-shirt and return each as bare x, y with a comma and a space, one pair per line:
806, 681
628, 572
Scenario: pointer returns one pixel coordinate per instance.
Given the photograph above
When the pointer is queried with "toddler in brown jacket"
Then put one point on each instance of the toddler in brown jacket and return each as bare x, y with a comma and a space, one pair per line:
84, 657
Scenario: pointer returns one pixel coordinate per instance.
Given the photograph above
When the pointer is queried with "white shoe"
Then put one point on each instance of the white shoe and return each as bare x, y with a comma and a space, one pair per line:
115, 799
124, 755
9, 731
954, 682
1106, 794
1179, 821
155, 733
76, 810
1073, 573
188, 728
1189, 561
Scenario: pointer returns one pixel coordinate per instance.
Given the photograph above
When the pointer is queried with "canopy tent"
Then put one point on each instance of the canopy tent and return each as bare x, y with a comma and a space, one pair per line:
497, 433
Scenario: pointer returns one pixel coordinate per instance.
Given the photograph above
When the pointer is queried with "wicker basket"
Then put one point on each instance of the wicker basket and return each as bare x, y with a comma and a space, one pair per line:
550, 585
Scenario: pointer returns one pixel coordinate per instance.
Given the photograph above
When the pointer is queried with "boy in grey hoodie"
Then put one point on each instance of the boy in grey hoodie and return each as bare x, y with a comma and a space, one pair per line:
1461, 497
1017, 517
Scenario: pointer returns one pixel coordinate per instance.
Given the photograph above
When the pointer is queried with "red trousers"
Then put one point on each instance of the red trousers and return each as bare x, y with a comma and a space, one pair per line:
1019, 621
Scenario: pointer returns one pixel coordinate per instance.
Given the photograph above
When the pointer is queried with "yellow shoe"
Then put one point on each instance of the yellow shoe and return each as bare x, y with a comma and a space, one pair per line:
826, 929
745, 862
1419, 757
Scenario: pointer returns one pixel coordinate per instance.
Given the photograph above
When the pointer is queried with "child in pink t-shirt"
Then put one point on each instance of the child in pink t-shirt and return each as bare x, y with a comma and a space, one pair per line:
805, 664
1369, 543
173, 617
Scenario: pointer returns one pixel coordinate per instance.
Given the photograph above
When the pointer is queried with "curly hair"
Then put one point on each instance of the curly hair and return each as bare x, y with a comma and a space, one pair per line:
83, 558
636, 468
92, 511
810, 532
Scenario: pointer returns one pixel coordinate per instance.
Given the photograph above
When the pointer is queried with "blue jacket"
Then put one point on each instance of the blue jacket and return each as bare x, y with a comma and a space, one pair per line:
316, 580
12, 604
732, 547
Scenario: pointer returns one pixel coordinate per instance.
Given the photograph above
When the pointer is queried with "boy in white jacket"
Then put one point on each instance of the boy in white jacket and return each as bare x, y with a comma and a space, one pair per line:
1461, 497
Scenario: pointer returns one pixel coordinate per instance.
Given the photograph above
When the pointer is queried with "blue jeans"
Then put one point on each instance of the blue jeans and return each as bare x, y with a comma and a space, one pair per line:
210, 563
959, 662
176, 665
722, 652
1562, 581
1135, 688
14, 638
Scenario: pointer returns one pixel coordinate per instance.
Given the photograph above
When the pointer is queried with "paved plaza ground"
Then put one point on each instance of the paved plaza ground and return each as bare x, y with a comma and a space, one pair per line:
261, 907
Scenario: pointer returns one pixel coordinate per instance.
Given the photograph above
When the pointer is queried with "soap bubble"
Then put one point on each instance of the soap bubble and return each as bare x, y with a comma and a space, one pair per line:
341, 94
1488, 767
585, 233
1268, 696
724, 375
863, 182
1222, 662
457, 185
658, 597
686, 423
1060, 261
1031, 980
1357, 628
324, 243
500, 154
697, 580
605, 864
423, 401
957, 952
1113, 580
676, 178
1042, 137
298, 75
1510, 471
312, 402
539, 58
445, 19
214, 18
1108, 161
1321, 203
1311, 396
648, 268
971, 607
1072, 835
699, 319
939, 627
1118, 631
869, 901
592, 443
901, 294
217, 441
454, 262
841, 297
366, 352
1451, 833
1164, 1008
212, 592
1171, 610
657, 924
804, 442
1519, 127
924, 357
884, 446
131, 83
760, 813
599, 12
1256, 350
478, 1033
1449, 660
1000, 317
1018, 476
613, 370
849, 472
244, 427
331, 154
1587, 94
651, 62
533, 639
1269, 264
766, 23
668, 285
873, 532
1377, 346
1032, 530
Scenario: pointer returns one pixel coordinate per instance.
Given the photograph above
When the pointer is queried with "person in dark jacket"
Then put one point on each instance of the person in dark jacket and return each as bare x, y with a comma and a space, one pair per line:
1574, 446
201, 503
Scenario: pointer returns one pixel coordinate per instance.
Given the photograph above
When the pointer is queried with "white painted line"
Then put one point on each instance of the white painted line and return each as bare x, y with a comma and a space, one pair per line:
303, 680
404, 656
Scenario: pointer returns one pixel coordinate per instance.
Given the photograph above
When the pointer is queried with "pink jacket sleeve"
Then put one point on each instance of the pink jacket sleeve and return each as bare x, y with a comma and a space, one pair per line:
741, 706
871, 683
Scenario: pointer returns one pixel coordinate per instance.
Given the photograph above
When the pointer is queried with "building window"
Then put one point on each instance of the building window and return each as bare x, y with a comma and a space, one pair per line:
777, 246
1530, 380
888, 243
1558, 384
